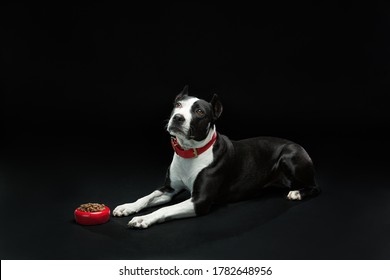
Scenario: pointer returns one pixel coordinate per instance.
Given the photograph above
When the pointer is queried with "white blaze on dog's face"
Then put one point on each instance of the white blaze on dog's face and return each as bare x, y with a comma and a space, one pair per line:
193, 118
180, 122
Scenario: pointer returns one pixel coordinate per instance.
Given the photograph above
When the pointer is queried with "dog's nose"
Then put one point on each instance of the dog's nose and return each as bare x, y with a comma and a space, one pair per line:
179, 118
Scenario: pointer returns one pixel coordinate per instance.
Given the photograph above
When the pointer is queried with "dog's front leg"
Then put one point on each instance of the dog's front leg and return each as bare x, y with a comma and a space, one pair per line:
183, 209
153, 199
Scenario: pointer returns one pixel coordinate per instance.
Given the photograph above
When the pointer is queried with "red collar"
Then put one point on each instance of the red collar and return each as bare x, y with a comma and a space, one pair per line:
194, 152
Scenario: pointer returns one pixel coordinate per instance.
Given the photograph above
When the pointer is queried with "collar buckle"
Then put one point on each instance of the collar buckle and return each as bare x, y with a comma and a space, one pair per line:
195, 151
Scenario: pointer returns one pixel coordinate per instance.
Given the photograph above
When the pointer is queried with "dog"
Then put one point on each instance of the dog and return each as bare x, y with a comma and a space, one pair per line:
215, 169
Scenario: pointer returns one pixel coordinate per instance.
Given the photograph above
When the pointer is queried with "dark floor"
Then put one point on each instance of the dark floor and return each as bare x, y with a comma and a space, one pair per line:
41, 187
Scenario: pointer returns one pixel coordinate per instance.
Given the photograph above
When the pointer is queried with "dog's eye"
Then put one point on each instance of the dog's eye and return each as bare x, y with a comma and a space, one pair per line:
178, 105
199, 112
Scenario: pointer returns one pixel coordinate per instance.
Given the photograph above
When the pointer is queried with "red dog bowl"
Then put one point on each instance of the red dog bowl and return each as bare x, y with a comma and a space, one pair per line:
92, 218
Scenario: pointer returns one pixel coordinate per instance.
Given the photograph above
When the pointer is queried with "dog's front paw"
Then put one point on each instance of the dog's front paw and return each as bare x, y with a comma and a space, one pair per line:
125, 209
140, 222
294, 195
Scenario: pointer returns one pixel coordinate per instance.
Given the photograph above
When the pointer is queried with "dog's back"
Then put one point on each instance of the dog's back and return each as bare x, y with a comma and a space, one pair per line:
258, 163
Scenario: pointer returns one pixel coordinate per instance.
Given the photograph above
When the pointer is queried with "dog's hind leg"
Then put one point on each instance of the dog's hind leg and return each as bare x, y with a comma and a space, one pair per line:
298, 171
304, 192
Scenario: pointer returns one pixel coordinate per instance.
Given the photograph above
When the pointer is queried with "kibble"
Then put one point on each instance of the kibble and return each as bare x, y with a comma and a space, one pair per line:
92, 207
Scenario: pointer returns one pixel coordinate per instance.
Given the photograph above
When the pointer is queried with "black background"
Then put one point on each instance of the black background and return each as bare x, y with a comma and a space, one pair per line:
87, 91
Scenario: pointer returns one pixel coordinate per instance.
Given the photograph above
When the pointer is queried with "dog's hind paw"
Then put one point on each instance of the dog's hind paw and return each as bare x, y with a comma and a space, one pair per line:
294, 195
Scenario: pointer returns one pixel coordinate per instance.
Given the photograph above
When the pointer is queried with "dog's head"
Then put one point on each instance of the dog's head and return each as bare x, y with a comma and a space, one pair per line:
192, 118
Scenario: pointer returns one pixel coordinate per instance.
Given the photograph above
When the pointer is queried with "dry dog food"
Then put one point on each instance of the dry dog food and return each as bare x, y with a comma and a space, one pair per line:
91, 207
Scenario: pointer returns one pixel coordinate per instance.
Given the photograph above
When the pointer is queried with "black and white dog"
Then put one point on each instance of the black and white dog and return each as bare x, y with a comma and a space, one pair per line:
215, 169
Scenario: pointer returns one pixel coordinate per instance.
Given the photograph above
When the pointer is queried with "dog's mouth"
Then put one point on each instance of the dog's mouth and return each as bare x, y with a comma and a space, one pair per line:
174, 130
180, 131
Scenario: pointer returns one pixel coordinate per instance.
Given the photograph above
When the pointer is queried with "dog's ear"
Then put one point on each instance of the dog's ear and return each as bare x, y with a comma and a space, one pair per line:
182, 94
217, 106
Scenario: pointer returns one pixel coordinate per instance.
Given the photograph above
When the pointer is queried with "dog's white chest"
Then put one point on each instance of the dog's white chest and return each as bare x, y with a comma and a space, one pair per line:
183, 171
